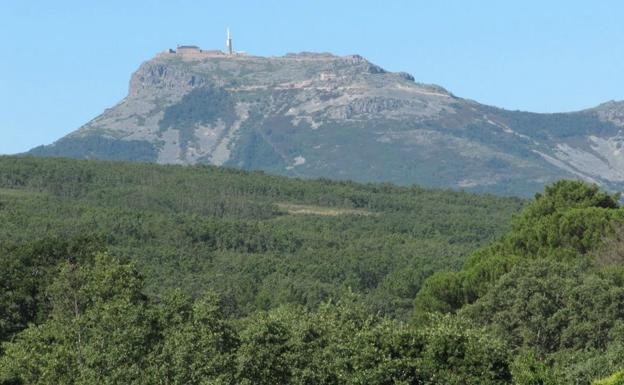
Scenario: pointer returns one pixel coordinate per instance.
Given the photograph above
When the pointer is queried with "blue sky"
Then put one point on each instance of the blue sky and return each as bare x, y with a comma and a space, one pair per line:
64, 62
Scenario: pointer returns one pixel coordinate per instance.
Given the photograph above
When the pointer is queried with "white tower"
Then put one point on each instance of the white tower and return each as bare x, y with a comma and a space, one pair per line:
228, 43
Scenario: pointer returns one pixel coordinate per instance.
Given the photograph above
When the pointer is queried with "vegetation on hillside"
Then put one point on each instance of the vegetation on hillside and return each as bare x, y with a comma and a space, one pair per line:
141, 274
234, 232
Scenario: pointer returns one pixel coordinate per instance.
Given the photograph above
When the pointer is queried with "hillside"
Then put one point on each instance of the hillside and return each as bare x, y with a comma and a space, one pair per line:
258, 240
320, 115
138, 274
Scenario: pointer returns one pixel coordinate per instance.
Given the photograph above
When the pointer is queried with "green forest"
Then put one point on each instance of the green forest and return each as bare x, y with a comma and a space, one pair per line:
127, 273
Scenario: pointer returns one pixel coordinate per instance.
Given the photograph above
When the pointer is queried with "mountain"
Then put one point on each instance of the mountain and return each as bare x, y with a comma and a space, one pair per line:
321, 115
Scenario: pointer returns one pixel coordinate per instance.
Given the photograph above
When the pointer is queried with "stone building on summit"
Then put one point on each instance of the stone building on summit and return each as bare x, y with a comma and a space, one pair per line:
194, 52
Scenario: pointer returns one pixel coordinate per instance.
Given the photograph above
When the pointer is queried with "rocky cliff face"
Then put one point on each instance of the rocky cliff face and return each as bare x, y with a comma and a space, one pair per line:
320, 115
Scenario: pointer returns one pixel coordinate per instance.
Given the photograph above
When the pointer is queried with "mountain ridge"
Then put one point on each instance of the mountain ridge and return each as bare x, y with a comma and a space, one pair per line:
343, 117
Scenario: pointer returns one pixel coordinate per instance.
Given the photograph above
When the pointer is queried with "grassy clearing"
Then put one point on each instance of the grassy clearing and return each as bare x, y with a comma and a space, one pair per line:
295, 209
15, 193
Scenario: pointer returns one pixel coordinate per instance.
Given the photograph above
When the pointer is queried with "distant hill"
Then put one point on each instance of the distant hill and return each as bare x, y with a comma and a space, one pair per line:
319, 115
258, 240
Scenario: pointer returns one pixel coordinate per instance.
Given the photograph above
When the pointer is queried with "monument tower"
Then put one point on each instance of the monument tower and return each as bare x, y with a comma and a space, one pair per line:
228, 43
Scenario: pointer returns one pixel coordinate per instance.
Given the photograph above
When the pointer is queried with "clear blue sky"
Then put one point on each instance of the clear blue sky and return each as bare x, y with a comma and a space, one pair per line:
63, 62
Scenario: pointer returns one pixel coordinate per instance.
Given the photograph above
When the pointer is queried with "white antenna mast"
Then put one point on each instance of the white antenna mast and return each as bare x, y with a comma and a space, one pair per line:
228, 43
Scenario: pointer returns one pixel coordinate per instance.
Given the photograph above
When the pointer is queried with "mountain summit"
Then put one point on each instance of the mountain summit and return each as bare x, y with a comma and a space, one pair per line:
321, 115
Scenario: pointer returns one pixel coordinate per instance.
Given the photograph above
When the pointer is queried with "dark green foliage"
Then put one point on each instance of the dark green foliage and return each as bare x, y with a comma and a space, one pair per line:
196, 343
263, 357
26, 272
542, 290
341, 345
103, 330
567, 315
216, 280
99, 329
551, 306
567, 221
201, 228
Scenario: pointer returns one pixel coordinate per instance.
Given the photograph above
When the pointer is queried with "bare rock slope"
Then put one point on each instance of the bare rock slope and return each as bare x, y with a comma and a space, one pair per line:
320, 115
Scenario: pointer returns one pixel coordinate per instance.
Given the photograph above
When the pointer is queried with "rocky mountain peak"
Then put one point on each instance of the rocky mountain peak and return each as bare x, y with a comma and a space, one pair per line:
174, 76
612, 111
321, 115
156, 77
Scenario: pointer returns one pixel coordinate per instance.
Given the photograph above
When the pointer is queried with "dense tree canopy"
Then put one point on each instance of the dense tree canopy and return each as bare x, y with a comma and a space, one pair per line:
259, 241
140, 274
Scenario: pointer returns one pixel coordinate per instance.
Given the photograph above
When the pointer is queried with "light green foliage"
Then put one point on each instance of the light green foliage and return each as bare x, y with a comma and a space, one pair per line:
614, 379
528, 369
458, 353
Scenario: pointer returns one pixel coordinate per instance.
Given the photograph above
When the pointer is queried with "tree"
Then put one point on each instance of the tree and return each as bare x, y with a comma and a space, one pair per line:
99, 331
263, 356
457, 353
567, 222
27, 270
197, 344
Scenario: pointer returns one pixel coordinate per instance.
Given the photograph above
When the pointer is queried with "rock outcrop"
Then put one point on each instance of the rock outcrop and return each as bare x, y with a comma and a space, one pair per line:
321, 115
